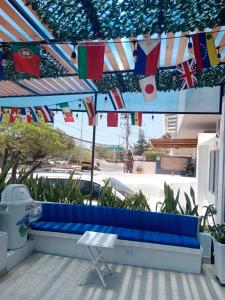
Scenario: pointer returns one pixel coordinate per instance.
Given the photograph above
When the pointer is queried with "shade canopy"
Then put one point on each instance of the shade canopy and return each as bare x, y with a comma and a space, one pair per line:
174, 143
62, 24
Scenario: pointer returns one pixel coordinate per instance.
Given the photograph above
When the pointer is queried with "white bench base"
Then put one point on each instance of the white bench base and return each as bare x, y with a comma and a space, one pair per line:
140, 254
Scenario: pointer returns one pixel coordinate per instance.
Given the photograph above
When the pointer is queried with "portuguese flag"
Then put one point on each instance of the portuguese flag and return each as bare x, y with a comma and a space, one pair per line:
91, 61
26, 58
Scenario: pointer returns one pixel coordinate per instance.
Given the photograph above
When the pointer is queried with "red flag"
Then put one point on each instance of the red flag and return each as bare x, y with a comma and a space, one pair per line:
112, 119
91, 61
92, 119
13, 114
26, 58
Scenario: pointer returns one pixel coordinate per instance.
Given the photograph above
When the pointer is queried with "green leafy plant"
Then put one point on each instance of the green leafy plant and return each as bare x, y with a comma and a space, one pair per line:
216, 230
138, 201
108, 197
170, 203
45, 189
191, 208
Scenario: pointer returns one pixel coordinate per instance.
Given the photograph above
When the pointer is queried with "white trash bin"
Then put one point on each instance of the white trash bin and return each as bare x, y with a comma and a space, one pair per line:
14, 214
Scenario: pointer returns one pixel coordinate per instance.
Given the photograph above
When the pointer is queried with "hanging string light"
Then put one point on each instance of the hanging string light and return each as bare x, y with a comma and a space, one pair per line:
105, 100
174, 76
218, 52
153, 117
100, 116
73, 55
190, 46
77, 115
135, 51
5, 55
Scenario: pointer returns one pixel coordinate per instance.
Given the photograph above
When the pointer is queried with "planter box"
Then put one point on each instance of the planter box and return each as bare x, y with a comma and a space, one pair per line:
206, 244
219, 252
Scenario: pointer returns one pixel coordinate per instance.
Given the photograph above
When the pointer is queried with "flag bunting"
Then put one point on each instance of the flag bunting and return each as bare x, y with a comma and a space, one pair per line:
26, 58
116, 99
89, 106
67, 114
91, 61
112, 119
186, 72
205, 50
47, 114
136, 118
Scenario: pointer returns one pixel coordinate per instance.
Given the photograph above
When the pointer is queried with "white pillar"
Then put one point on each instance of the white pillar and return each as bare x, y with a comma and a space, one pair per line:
202, 175
221, 181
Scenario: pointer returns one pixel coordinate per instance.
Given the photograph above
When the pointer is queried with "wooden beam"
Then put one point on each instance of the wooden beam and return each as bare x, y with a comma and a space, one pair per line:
169, 48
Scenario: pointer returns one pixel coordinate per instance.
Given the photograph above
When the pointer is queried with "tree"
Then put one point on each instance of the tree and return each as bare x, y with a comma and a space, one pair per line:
103, 153
23, 143
152, 153
167, 135
141, 144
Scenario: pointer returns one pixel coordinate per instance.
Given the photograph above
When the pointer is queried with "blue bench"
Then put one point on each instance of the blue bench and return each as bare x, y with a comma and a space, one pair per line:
130, 225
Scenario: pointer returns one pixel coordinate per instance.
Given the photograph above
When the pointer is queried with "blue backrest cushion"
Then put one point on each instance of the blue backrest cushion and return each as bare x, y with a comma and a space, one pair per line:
136, 219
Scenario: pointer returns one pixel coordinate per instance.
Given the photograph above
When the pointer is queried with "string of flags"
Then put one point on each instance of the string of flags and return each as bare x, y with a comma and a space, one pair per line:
32, 115
26, 57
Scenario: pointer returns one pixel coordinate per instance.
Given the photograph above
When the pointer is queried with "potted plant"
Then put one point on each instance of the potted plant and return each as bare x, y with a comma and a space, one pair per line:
218, 233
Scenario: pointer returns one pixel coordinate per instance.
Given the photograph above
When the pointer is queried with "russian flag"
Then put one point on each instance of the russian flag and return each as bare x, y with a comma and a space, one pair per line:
147, 57
116, 98
47, 114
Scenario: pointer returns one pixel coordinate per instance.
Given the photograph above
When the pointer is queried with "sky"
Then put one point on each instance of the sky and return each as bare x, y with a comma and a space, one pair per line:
153, 128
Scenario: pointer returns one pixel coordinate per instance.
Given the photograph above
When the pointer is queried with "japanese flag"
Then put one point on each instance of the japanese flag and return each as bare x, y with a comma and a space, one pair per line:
148, 88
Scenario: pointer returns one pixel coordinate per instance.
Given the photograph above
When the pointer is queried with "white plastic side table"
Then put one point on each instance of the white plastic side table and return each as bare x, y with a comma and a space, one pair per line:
95, 242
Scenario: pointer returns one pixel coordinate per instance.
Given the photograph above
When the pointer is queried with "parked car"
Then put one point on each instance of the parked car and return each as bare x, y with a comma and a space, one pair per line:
121, 190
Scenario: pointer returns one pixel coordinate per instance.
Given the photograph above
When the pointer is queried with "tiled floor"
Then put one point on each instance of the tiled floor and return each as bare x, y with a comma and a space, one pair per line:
49, 277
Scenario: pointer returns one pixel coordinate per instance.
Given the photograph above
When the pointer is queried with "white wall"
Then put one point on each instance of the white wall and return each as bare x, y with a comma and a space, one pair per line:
206, 143
221, 184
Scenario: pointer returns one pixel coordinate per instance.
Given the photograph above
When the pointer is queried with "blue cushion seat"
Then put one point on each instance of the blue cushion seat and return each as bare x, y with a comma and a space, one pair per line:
134, 225
123, 233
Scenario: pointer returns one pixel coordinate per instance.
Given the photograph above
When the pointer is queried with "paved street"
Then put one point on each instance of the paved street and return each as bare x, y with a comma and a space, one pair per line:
152, 185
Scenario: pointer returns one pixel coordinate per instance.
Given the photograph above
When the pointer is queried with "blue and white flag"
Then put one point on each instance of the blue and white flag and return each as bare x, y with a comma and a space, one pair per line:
25, 113
34, 114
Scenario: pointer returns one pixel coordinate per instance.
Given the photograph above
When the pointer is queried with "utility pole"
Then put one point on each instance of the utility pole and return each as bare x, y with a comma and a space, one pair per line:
127, 131
81, 137
126, 124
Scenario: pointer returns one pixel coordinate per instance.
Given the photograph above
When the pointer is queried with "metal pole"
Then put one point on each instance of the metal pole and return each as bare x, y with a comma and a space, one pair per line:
127, 131
93, 149
81, 138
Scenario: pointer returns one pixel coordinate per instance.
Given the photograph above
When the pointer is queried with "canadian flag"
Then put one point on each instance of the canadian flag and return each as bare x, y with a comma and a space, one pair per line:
148, 88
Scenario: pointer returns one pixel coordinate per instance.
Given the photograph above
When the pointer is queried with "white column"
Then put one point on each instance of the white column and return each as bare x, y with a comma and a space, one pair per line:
221, 181
202, 175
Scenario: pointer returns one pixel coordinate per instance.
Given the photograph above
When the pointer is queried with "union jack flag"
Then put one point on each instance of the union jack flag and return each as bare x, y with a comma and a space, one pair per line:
186, 72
